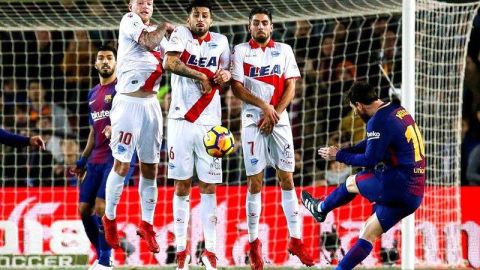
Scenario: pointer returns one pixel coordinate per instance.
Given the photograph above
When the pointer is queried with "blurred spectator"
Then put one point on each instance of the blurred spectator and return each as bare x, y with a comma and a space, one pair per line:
473, 167
76, 63
39, 107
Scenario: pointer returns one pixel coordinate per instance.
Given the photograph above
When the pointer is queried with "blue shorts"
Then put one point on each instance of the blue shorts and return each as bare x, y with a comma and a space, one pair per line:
386, 188
93, 186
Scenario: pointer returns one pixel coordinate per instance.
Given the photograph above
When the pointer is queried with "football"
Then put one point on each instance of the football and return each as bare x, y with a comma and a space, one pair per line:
219, 142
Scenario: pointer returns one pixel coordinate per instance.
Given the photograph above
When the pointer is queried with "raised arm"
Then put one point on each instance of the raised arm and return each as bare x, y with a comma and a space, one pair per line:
150, 40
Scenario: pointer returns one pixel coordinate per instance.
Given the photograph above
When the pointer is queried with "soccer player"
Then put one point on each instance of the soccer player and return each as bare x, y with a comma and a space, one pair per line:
15, 140
136, 117
396, 187
264, 73
96, 160
199, 60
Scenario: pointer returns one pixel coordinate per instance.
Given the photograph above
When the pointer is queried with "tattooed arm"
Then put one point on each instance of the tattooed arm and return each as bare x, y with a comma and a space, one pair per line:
150, 40
173, 64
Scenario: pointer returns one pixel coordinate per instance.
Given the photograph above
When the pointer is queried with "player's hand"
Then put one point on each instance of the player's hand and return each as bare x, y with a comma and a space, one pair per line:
266, 127
328, 153
168, 27
107, 131
206, 86
222, 76
80, 169
270, 114
37, 141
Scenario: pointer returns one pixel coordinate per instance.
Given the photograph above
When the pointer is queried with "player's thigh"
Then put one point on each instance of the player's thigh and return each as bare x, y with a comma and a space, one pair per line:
369, 185
209, 169
254, 150
103, 175
180, 149
372, 229
280, 143
389, 216
90, 185
126, 119
148, 148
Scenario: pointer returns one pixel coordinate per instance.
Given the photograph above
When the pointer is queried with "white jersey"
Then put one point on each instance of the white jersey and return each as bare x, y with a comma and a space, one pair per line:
136, 66
206, 56
263, 72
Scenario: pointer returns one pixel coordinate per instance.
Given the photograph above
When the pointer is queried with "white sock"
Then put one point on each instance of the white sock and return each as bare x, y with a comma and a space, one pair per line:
208, 207
113, 191
148, 198
181, 215
254, 208
291, 209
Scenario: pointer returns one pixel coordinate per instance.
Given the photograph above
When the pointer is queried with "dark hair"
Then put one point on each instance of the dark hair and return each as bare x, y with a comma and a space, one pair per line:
362, 92
260, 10
199, 3
106, 47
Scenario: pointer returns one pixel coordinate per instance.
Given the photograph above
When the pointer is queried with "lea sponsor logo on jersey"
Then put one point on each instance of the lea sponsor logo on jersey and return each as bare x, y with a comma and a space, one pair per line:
100, 115
203, 62
264, 71
372, 135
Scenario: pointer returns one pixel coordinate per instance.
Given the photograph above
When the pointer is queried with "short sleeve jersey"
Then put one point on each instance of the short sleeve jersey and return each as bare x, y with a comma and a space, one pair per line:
263, 71
137, 67
206, 56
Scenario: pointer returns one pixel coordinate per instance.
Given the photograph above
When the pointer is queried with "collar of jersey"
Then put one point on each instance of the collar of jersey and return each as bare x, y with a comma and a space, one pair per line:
255, 45
207, 38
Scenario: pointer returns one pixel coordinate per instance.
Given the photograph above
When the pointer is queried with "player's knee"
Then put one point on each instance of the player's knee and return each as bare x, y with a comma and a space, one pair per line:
254, 184
100, 207
148, 171
351, 184
207, 188
286, 180
182, 188
85, 210
121, 168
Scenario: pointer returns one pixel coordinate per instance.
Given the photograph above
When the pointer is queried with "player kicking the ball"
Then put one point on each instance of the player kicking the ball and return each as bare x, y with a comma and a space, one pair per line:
396, 187
199, 60
264, 76
136, 117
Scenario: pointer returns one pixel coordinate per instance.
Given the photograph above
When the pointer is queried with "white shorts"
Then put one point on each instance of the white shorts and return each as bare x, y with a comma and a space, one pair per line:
275, 149
136, 125
186, 149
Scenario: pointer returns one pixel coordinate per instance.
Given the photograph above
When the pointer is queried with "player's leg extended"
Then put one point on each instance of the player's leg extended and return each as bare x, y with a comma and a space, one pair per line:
103, 246
360, 250
88, 190
181, 218
291, 210
147, 190
113, 192
255, 160
342, 195
208, 207
254, 208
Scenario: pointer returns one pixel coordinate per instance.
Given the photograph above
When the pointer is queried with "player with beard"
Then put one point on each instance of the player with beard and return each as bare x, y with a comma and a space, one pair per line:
96, 161
264, 74
393, 155
199, 60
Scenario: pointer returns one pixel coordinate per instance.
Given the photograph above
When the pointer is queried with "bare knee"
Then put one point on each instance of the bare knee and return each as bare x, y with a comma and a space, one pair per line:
255, 183
286, 179
207, 188
183, 187
121, 168
351, 185
371, 230
100, 207
148, 170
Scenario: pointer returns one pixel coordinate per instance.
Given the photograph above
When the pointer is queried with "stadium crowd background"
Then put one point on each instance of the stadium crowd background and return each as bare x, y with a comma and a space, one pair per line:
46, 76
